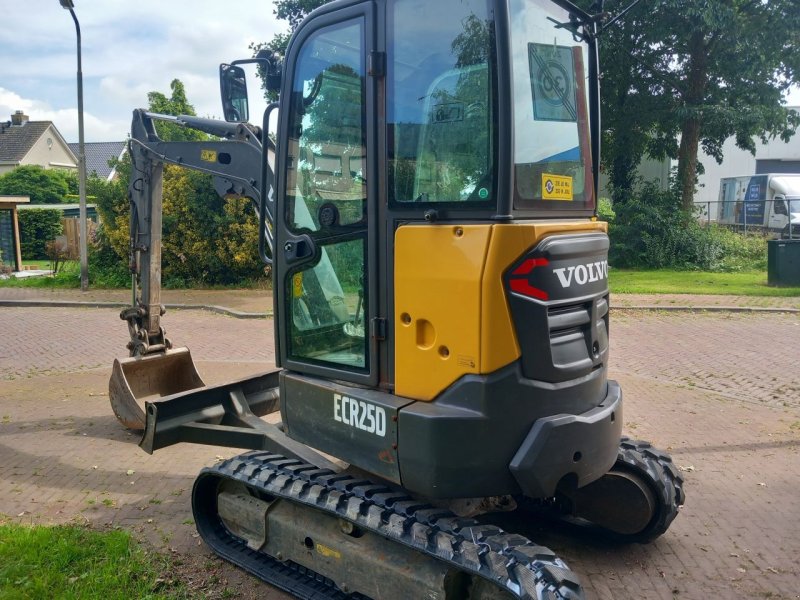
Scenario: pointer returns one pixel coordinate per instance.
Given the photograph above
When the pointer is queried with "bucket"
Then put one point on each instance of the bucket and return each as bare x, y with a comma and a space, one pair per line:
141, 379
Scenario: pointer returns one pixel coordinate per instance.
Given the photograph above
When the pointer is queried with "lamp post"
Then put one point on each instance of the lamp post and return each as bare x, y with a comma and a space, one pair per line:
69, 5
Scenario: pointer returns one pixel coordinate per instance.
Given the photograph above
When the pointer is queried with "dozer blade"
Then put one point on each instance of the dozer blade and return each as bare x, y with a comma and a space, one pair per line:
141, 379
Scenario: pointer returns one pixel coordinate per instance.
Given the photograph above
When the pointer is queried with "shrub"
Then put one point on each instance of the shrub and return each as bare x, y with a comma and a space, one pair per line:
37, 227
650, 230
44, 186
106, 270
206, 240
4, 268
605, 211
59, 253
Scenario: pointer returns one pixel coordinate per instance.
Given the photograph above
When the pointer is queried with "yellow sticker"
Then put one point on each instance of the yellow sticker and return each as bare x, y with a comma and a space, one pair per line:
208, 155
556, 187
328, 552
297, 285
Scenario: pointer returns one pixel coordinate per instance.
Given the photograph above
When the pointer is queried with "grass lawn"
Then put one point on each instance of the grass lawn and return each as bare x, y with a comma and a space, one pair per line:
69, 561
746, 283
37, 264
68, 277
621, 281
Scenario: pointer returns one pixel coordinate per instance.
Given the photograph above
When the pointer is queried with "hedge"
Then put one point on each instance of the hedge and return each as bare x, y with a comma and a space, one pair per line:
38, 226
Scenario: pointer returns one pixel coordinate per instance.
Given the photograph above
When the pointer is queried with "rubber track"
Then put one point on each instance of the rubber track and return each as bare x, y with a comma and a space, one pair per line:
510, 561
664, 478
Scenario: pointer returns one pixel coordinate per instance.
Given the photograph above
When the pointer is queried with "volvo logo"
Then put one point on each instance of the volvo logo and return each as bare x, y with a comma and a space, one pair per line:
582, 274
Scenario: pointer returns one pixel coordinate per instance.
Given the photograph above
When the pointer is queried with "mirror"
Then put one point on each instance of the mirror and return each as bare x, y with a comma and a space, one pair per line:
233, 87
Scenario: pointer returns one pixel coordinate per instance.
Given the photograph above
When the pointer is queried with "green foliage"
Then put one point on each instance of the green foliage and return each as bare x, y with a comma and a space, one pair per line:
605, 211
293, 11
699, 72
176, 104
206, 240
649, 230
44, 186
74, 562
37, 227
106, 270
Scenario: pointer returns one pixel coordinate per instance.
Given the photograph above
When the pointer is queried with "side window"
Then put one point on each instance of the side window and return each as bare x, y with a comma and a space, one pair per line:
328, 131
440, 102
327, 200
780, 206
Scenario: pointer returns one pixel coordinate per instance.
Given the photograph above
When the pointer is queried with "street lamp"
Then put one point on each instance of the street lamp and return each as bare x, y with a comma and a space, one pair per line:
69, 5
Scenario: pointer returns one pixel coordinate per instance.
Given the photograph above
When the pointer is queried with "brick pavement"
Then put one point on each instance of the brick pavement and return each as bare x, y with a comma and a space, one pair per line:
46, 340
63, 456
260, 300
740, 355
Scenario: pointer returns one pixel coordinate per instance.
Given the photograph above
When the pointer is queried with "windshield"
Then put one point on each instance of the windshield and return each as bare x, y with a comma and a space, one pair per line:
440, 102
552, 157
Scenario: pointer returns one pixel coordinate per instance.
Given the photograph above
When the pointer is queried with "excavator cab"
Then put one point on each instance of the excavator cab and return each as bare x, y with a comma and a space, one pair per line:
428, 203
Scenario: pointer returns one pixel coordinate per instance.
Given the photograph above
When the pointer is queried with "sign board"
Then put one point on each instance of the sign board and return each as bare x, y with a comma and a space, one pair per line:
552, 83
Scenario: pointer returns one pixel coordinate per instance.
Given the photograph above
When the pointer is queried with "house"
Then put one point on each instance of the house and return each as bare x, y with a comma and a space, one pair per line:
97, 156
26, 142
776, 156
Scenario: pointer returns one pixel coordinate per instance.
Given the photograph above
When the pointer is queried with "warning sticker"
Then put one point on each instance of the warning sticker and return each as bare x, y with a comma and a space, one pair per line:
208, 156
556, 187
297, 285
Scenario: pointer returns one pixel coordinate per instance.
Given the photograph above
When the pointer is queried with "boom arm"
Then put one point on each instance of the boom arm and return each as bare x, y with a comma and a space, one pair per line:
235, 163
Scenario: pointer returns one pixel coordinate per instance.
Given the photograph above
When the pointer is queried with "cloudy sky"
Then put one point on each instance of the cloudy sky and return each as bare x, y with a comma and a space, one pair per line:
129, 49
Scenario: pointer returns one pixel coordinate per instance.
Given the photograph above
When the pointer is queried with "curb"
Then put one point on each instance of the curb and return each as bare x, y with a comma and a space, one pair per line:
222, 310
733, 309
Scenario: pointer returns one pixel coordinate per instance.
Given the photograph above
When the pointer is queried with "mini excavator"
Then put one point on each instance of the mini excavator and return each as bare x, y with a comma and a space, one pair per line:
427, 202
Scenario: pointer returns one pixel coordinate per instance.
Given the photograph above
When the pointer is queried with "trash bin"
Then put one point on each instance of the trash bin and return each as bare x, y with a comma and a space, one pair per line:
783, 262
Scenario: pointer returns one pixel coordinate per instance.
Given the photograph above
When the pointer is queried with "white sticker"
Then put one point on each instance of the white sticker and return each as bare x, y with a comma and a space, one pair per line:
359, 414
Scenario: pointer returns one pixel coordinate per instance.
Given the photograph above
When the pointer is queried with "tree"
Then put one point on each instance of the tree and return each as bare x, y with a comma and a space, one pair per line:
699, 72
293, 11
206, 239
176, 104
44, 186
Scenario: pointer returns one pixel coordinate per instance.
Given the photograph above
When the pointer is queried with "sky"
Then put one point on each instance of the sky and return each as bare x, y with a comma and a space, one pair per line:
128, 49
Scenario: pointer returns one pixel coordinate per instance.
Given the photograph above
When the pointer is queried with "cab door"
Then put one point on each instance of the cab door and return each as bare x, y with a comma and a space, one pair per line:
325, 234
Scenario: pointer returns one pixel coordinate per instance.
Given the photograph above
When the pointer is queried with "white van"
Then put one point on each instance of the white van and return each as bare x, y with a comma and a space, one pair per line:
761, 201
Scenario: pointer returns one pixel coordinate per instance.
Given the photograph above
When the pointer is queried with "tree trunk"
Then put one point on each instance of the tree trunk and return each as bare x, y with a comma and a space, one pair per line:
622, 176
687, 161
692, 124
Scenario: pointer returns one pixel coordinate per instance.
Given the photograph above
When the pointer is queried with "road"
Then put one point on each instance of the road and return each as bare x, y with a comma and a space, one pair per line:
720, 391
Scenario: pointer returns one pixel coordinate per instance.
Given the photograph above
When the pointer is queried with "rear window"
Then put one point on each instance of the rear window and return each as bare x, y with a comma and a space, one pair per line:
552, 157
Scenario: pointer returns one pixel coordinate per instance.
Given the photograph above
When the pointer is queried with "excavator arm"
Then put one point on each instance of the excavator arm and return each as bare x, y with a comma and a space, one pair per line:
155, 369
234, 160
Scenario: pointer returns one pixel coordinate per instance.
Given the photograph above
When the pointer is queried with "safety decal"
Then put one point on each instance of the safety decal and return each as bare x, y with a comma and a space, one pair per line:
297, 285
556, 187
208, 156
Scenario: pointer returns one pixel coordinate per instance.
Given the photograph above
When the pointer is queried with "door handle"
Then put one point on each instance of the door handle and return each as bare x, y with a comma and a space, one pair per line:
298, 249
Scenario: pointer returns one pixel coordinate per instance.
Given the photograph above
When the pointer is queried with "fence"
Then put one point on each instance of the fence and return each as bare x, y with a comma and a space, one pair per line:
754, 215
72, 233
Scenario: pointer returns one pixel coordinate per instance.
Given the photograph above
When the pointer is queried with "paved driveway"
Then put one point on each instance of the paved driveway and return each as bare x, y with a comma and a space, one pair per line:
720, 391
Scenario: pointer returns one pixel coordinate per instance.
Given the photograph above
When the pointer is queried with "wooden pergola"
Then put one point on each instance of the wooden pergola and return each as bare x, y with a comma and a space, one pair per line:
9, 203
